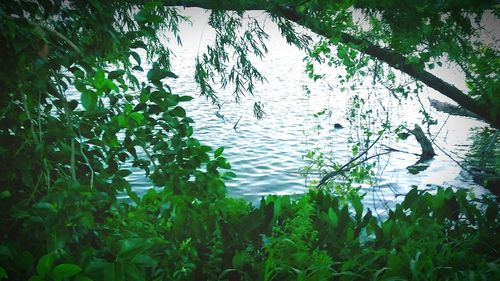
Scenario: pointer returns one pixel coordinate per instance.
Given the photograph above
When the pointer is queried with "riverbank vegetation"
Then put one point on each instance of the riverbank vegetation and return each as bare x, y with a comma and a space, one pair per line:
63, 160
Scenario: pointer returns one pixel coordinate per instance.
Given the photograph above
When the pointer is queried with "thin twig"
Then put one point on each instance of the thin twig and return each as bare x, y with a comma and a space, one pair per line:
342, 168
72, 163
397, 150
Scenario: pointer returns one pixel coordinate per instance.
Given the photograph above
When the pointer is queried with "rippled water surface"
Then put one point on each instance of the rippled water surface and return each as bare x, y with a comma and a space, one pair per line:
267, 155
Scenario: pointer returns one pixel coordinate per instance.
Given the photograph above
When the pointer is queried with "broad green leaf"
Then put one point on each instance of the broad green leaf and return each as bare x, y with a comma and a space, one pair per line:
110, 85
122, 121
99, 77
218, 151
133, 247
66, 270
89, 100
334, 219
178, 111
137, 117
45, 264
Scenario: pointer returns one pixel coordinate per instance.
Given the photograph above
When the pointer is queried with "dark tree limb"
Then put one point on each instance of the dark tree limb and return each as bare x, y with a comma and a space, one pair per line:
401, 63
425, 143
388, 56
452, 109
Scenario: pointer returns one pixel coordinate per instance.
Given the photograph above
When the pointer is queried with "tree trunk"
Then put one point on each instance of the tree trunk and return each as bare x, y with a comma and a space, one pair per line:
425, 143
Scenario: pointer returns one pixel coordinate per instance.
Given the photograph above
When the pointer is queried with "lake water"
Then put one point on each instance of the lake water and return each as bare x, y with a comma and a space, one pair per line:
267, 154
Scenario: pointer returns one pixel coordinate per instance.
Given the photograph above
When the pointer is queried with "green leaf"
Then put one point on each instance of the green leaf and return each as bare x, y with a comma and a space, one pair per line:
5, 252
358, 206
223, 163
132, 195
122, 121
5, 194
137, 117
66, 270
110, 85
156, 73
138, 44
73, 104
89, 100
45, 264
178, 111
130, 248
99, 76
228, 175
124, 172
185, 98
334, 219
116, 74
3, 273
170, 74
410, 198
218, 151
136, 57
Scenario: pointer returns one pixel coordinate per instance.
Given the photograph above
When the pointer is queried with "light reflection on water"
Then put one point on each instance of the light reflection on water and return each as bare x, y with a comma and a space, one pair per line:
267, 154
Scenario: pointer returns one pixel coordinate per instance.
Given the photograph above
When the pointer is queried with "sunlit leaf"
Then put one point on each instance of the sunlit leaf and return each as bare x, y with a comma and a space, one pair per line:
218, 152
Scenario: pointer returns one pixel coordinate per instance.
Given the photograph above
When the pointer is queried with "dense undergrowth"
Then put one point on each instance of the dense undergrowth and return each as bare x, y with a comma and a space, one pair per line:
168, 236
62, 166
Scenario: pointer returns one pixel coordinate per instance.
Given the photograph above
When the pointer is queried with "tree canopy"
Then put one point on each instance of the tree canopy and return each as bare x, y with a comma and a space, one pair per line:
63, 159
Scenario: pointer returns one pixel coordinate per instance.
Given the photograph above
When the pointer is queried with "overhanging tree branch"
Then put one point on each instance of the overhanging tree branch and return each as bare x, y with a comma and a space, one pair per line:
388, 56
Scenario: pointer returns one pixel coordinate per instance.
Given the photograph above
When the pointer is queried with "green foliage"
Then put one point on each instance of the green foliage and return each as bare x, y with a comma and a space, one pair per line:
73, 114
484, 159
421, 35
